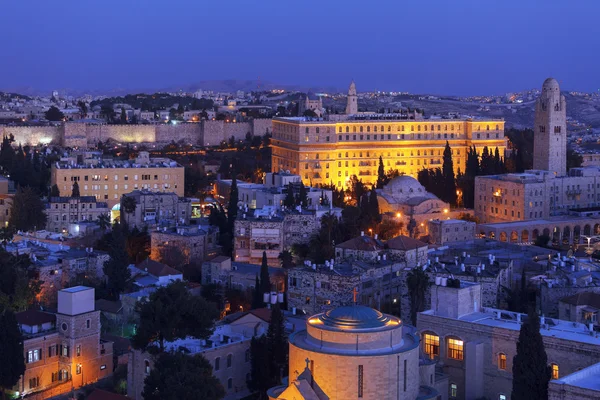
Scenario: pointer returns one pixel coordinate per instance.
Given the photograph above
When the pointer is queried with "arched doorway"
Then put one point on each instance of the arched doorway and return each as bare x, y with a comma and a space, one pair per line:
492, 235
587, 230
534, 234
503, 236
514, 237
482, 235
546, 232
566, 237
597, 229
556, 235
525, 236
576, 234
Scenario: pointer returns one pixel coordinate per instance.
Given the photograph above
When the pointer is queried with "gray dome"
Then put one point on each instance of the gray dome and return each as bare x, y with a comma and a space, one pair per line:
550, 84
354, 317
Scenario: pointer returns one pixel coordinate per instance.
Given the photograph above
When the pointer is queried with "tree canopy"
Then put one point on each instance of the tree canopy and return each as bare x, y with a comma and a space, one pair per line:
11, 351
27, 211
54, 114
116, 268
178, 376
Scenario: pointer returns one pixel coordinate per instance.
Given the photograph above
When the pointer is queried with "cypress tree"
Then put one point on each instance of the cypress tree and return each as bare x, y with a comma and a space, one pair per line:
289, 200
486, 162
381, 177
75, 192
257, 300
232, 206
374, 207
277, 343
449, 184
54, 191
302, 199
530, 370
265, 280
116, 268
11, 352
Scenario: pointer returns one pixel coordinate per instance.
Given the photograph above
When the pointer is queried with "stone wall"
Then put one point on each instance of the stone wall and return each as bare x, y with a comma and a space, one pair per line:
188, 133
261, 127
548, 297
34, 134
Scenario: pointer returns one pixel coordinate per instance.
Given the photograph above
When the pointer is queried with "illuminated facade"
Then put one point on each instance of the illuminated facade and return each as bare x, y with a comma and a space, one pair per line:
323, 151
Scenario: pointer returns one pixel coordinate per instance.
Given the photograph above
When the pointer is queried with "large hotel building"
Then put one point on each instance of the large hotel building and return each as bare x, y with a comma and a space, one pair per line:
332, 149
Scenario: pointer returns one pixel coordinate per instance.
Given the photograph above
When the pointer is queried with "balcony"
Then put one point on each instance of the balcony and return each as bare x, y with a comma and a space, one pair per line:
400, 162
364, 164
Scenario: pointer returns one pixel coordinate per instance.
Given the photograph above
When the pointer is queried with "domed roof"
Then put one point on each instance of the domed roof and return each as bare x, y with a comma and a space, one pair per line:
550, 84
404, 184
354, 317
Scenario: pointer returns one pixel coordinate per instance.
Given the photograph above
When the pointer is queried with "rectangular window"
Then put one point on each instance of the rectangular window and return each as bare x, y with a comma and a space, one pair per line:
78, 350
453, 391
405, 374
455, 349
502, 361
78, 369
360, 381
432, 345
555, 374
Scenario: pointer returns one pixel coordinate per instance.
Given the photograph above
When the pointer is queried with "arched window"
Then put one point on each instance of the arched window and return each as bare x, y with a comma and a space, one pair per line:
455, 348
229, 383
347, 129
502, 361
555, 372
217, 363
354, 129
374, 129
147, 367
419, 128
229, 360
431, 345
497, 127
487, 128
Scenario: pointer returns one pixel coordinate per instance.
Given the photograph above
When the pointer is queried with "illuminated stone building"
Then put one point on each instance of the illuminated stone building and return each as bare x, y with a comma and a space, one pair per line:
63, 351
332, 149
357, 352
108, 179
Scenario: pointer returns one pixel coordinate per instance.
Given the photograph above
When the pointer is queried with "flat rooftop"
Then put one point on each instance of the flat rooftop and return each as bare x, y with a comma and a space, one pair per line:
587, 378
76, 289
545, 221
362, 118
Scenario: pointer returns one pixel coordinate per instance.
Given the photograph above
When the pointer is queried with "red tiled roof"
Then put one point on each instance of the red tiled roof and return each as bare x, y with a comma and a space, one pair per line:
404, 243
262, 313
34, 318
99, 394
156, 269
364, 243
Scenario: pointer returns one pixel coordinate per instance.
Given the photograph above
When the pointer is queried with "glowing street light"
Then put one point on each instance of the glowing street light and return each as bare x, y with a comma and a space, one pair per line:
398, 215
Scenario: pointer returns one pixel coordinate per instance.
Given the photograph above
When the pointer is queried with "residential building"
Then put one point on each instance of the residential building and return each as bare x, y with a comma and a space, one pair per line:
220, 270
272, 192
188, 244
108, 180
332, 149
580, 385
581, 307
310, 102
156, 209
475, 345
64, 211
271, 231
149, 273
63, 351
442, 231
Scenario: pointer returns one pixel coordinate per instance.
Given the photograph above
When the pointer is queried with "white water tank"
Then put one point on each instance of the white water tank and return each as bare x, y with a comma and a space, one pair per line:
444, 281
280, 297
438, 280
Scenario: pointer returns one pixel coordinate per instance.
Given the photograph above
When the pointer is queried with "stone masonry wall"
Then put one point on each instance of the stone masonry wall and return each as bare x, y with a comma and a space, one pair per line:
549, 297
262, 126
33, 134
188, 133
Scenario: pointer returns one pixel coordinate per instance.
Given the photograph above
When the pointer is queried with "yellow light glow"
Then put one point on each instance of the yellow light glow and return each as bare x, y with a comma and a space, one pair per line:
445, 211
398, 215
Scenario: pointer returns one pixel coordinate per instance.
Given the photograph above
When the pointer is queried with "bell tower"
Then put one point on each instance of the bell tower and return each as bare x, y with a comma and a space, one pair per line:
352, 104
550, 130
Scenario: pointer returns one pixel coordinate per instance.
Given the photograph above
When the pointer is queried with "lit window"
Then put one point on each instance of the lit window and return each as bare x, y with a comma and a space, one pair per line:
431, 345
555, 374
147, 367
502, 361
502, 397
455, 349
453, 390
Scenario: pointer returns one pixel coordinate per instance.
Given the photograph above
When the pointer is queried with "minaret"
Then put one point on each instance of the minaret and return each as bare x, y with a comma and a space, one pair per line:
550, 130
352, 105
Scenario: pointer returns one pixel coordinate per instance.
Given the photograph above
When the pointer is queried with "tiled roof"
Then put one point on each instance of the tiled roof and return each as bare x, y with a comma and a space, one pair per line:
109, 306
404, 243
34, 318
583, 299
364, 243
157, 269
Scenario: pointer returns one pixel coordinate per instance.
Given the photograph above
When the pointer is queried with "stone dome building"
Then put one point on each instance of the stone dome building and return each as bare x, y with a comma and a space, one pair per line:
353, 352
406, 195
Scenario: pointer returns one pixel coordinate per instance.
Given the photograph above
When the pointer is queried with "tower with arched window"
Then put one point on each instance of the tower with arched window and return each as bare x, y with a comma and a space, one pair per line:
550, 130
352, 103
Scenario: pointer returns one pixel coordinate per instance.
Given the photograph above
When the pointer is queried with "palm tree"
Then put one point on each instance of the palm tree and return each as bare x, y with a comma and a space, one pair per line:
103, 221
286, 258
128, 204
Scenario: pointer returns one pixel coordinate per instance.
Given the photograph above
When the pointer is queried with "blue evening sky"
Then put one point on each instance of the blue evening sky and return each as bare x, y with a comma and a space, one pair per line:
457, 47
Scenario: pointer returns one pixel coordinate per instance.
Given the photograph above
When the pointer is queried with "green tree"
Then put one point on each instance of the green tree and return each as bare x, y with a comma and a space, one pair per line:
302, 199
103, 221
265, 280
574, 159
278, 343
374, 207
531, 372
108, 112
54, 114
75, 192
417, 282
289, 200
18, 290
128, 204
12, 366
123, 116
542, 240
257, 298
262, 376
7, 153
179, 376
27, 211
83, 109
381, 177
116, 267
54, 192
172, 313
448, 176
287, 259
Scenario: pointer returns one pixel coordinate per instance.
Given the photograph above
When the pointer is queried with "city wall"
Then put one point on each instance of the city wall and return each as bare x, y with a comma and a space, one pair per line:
76, 134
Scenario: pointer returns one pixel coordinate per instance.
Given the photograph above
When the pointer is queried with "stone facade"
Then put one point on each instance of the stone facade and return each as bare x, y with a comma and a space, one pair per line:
220, 270
164, 209
442, 231
476, 345
194, 244
214, 132
272, 235
34, 135
550, 130
63, 211
325, 151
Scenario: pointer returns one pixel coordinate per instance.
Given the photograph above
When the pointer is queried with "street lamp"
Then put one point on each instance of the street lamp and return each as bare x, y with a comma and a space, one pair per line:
398, 215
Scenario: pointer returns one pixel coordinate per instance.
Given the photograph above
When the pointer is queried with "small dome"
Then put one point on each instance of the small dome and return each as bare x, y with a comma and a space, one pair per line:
354, 317
550, 84
404, 184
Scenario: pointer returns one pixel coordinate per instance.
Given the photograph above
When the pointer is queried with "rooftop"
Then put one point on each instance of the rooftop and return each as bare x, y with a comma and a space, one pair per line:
76, 289
34, 318
583, 299
355, 317
587, 378
157, 269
